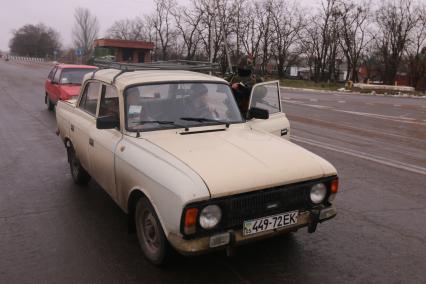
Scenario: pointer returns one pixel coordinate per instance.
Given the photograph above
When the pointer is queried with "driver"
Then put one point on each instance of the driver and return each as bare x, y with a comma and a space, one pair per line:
199, 105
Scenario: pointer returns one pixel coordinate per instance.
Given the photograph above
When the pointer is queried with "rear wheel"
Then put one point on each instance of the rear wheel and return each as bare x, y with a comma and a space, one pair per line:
50, 105
151, 236
78, 173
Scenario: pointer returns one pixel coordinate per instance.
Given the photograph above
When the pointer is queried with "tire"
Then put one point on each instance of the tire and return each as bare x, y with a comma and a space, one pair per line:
50, 105
152, 239
78, 173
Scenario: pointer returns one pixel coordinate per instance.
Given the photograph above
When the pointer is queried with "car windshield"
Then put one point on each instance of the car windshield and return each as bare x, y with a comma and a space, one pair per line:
74, 76
161, 106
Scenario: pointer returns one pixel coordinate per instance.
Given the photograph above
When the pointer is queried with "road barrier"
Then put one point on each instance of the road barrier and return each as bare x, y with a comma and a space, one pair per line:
24, 58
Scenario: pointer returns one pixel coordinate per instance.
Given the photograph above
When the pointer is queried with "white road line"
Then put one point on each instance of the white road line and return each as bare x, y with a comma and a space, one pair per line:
313, 100
396, 105
374, 115
370, 104
341, 102
363, 155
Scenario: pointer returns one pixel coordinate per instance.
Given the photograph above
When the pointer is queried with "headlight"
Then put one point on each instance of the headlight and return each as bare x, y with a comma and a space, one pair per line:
210, 216
318, 193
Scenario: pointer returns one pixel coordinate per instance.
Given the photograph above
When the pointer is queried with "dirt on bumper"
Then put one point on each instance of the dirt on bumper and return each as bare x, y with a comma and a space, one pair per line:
236, 238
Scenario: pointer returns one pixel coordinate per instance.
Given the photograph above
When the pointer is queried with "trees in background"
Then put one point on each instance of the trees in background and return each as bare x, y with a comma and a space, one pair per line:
85, 30
396, 21
128, 29
35, 41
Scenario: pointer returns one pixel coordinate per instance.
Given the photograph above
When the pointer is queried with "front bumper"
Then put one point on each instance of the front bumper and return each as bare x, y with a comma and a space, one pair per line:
236, 237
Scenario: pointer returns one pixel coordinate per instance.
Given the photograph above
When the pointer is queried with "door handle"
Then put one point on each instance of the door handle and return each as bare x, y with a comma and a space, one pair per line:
91, 142
72, 127
284, 131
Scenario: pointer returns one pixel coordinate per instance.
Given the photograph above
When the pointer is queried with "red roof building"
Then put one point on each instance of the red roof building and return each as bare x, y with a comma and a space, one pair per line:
135, 51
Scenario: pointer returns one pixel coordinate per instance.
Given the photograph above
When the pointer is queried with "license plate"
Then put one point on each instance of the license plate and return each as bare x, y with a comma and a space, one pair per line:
270, 223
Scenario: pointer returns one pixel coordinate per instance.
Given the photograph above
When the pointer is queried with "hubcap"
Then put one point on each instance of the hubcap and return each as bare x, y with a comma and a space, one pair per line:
150, 232
74, 167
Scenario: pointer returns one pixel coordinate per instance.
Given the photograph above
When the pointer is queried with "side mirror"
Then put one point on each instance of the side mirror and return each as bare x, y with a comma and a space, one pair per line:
107, 122
256, 112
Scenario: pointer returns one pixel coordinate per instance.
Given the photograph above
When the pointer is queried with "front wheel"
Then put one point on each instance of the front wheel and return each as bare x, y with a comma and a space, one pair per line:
78, 173
151, 236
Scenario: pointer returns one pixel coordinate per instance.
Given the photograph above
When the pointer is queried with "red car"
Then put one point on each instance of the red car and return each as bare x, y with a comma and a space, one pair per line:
64, 82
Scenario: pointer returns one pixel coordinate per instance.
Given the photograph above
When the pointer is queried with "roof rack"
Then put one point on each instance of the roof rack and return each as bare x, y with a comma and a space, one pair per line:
198, 66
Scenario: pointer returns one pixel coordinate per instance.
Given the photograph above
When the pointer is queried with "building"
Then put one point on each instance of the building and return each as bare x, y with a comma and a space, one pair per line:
134, 51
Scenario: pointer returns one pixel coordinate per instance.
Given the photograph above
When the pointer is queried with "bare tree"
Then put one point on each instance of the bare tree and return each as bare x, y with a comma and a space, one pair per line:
395, 20
416, 51
128, 29
353, 34
187, 24
161, 21
287, 24
85, 31
252, 31
320, 41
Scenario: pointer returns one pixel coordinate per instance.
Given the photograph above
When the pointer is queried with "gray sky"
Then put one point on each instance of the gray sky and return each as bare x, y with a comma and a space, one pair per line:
59, 14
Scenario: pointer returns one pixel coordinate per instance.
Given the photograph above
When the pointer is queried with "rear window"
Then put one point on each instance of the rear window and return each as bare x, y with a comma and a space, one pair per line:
74, 76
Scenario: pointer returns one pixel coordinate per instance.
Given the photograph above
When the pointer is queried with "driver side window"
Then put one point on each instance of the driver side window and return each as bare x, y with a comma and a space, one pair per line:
89, 99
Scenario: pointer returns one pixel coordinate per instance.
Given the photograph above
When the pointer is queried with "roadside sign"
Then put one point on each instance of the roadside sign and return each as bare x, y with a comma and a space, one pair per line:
79, 51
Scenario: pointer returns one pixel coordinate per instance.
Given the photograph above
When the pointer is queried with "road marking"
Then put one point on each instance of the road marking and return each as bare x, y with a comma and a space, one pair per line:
341, 102
370, 104
313, 100
396, 105
363, 155
373, 115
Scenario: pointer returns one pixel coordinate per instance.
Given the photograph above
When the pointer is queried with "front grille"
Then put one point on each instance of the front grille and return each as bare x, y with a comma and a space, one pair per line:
252, 205
239, 208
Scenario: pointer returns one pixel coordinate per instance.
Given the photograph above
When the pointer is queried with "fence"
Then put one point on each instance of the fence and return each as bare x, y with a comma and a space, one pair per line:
24, 59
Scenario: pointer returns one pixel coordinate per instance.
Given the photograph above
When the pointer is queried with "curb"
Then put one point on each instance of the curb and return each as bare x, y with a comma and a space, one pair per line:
353, 93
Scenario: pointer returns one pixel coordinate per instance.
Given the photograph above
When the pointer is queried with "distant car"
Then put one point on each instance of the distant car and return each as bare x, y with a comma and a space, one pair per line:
64, 82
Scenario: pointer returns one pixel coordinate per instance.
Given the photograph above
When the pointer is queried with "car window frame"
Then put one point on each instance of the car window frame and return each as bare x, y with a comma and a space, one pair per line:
243, 119
278, 93
52, 73
60, 74
102, 95
86, 86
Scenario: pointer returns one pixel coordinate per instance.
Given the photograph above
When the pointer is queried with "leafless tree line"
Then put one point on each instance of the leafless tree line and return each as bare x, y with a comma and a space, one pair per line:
339, 35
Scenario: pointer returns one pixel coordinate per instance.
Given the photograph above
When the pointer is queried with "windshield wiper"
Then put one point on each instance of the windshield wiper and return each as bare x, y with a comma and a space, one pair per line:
161, 122
205, 119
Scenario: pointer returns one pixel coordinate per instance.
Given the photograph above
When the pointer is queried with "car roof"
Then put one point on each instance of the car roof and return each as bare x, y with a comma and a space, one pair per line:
152, 76
75, 66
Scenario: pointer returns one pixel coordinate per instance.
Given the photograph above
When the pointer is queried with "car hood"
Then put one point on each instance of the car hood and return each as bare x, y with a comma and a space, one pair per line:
241, 160
71, 90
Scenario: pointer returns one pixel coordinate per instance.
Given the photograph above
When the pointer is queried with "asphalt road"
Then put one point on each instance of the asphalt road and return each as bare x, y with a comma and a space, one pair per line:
54, 232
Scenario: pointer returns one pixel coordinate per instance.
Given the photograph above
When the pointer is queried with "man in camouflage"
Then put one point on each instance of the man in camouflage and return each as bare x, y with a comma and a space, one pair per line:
242, 82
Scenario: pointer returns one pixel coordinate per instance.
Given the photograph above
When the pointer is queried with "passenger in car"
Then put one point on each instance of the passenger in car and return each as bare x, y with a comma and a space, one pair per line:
198, 104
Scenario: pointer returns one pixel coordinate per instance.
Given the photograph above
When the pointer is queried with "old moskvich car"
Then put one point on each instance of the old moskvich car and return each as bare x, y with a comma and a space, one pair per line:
174, 151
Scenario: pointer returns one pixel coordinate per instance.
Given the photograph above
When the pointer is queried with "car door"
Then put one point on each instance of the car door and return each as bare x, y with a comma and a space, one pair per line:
48, 84
84, 121
104, 143
267, 96
54, 86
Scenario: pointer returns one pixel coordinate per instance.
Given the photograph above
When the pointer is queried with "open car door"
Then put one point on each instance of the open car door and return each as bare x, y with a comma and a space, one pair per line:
267, 96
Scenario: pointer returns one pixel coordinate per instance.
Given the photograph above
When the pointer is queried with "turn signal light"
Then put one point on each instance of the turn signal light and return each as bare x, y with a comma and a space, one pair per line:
334, 185
190, 220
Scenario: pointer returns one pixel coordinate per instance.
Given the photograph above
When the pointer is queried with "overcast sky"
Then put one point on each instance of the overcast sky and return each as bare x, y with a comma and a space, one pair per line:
59, 14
